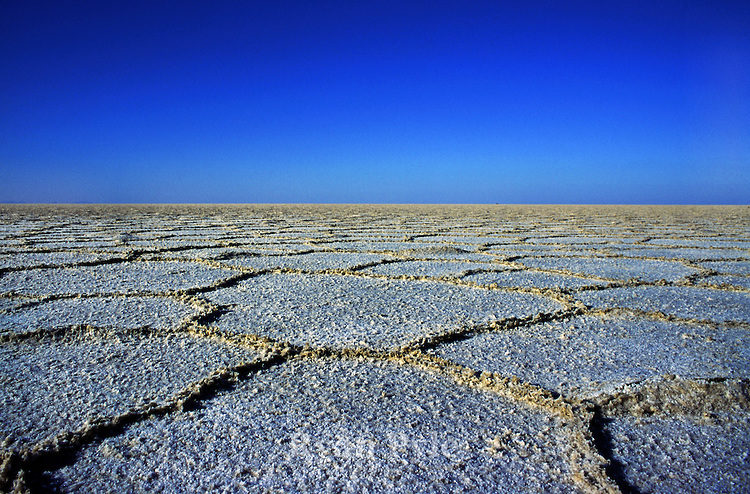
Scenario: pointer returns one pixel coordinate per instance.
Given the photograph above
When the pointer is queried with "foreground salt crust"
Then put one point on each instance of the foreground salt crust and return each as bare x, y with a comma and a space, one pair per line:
680, 454
314, 261
57, 382
111, 312
587, 354
622, 269
149, 276
412, 348
521, 278
347, 311
334, 425
680, 301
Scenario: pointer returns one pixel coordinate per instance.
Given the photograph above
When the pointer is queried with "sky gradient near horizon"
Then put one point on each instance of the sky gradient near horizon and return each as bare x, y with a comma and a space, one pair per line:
375, 102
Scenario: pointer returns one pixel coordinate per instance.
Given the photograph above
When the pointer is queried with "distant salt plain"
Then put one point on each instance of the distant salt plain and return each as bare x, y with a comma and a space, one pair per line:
381, 348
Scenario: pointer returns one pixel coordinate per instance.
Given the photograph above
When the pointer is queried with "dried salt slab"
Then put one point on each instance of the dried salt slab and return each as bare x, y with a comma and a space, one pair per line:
468, 239
681, 301
569, 240
332, 426
587, 239
616, 268
7, 304
433, 269
729, 267
583, 355
447, 252
348, 236
68, 244
732, 281
56, 382
289, 235
195, 253
380, 246
681, 253
126, 277
530, 279
349, 311
538, 251
115, 312
703, 243
682, 454
315, 261
31, 259
532, 249
277, 247
221, 254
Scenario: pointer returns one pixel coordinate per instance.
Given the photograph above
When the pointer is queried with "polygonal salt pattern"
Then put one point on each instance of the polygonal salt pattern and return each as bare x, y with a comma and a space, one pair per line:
56, 383
728, 267
445, 252
470, 240
56, 243
31, 259
114, 312
7, 304
541, 251
567, 240
90, 343
278, 247
680, 301
682, 253
341, 311
707, 242
614, 268
583, 355
408, 248
531, 279
334, 426
728, 280
129, 277
682, 454
431, 269
315, 261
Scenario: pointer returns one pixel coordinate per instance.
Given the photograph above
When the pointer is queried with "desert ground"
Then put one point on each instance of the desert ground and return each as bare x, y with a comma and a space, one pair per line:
375, 348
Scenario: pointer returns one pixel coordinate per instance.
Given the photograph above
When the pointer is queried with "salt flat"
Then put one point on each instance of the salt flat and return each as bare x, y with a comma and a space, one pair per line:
382, 348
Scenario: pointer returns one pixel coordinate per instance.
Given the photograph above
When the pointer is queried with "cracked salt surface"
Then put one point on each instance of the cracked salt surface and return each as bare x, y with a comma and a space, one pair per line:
7, 304
615, 268
340, 311
470, 240
32, 259
529, 279
401, 247
334, 425
374, 382
116, 312
315, 261
434, 269
578, 239
689, 254
586, 354
275, 247
728, 267
528, 250
149, 276
710, 242
446, 253
55, 383
691, 303
734, 281
680, 454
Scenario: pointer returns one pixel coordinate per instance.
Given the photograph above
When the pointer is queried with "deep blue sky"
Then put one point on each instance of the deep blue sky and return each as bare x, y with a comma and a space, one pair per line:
470, 102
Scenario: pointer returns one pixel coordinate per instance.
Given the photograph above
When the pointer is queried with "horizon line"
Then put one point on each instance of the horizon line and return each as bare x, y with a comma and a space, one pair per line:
356, 204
